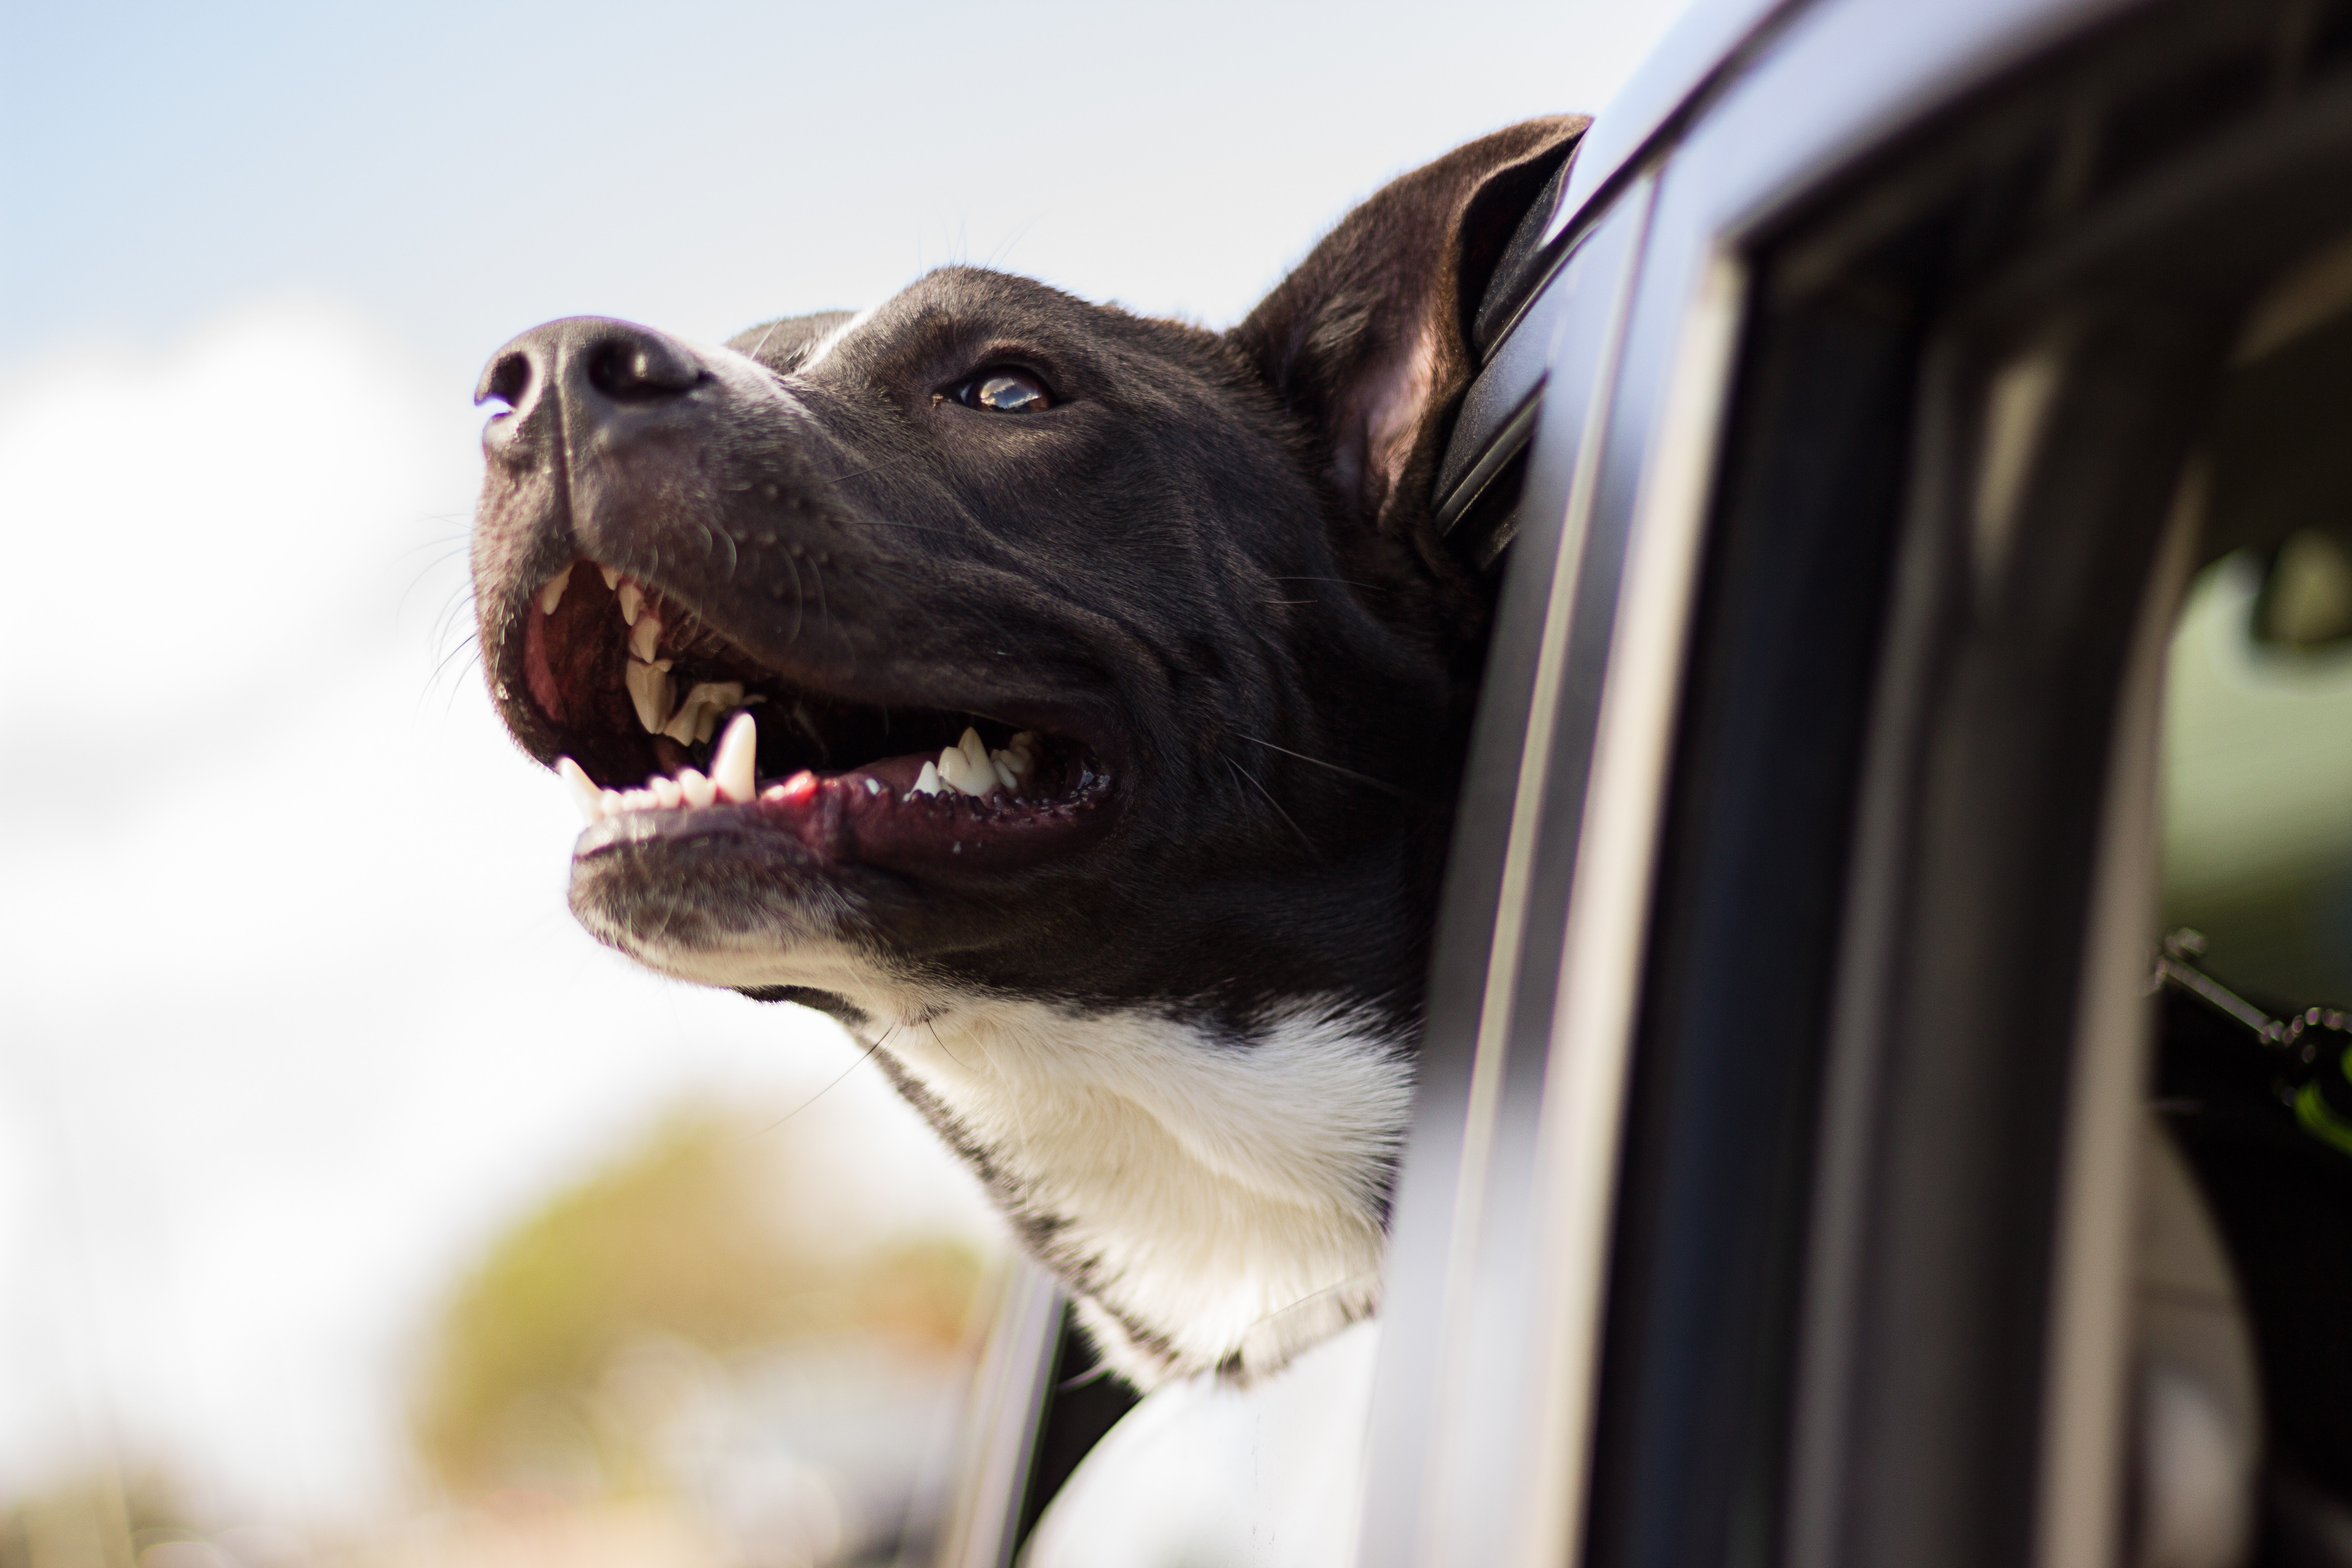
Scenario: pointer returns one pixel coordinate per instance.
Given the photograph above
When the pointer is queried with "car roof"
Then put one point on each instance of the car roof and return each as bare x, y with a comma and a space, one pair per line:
1955, 48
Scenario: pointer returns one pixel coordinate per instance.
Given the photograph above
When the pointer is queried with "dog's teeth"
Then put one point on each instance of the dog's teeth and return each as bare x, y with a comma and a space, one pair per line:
955, 768
1021, 752
698, 716
975, 749
927, 782
649, 689
698, 790
874, 787
644, 636
585, 793
1002, 763
551, 594
612, 575
667, 791
733, 765
642, 799
632, 603
611, 801
966, 765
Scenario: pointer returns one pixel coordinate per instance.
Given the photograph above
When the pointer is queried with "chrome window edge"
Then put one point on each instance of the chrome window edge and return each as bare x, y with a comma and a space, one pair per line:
2083, 1410
1602, 957
1009, 1390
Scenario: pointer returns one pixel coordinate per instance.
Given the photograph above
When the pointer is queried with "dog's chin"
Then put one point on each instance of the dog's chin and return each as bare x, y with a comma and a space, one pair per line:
827, 888
720, 909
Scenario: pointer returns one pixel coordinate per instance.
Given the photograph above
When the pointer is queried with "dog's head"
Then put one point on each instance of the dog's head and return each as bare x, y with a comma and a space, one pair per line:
994, 639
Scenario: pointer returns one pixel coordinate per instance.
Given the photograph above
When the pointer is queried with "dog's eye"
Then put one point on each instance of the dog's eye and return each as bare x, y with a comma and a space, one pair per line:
1006, 391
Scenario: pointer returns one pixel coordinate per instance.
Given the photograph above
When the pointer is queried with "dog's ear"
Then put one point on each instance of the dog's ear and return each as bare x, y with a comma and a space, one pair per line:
1367, 342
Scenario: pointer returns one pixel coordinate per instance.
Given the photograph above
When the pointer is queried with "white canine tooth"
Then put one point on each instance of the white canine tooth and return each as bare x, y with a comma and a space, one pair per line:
667, 791
644, 635
612, 575
649, 689
1002, 763
927, 782
632, 603
734, 765
551, 594
983, 772
698, 790
955, 767
585, 793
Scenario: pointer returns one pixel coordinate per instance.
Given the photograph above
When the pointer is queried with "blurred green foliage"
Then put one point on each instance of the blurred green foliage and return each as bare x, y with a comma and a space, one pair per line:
709, 1237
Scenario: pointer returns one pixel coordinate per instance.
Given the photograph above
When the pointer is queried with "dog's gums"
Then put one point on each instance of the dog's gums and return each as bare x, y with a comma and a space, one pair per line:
981, 806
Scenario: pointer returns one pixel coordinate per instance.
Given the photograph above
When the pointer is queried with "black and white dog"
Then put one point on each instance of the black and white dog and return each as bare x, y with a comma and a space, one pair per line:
1068, 702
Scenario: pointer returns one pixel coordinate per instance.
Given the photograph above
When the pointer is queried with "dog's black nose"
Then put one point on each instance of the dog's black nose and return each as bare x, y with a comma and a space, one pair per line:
594, 370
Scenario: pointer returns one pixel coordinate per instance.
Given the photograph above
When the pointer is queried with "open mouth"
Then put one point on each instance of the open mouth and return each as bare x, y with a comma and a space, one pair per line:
668, 725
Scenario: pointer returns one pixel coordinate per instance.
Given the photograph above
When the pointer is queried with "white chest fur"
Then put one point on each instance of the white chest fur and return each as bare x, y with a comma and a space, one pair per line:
1214, 1201
1218, 1199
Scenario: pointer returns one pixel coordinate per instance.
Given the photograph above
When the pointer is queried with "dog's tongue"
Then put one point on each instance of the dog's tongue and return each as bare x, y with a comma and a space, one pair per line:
898, 773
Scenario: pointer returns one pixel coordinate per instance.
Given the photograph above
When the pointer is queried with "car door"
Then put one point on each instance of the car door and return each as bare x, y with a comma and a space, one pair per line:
1774, 1189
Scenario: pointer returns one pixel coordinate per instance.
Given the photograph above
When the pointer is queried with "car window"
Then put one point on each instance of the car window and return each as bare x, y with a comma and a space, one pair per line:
2254, 1071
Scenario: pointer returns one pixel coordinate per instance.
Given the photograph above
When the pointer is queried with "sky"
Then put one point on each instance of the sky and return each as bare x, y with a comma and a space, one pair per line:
294, 1019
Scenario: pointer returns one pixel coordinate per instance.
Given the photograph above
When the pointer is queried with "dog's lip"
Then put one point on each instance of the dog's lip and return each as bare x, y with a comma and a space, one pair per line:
868, 815
834, 825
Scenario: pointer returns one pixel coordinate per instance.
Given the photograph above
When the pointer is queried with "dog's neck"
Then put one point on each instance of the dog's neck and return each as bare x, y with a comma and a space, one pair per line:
1216, 1199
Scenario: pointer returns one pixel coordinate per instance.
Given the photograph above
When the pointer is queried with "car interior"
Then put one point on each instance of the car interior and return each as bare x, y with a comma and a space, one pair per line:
2246, 1365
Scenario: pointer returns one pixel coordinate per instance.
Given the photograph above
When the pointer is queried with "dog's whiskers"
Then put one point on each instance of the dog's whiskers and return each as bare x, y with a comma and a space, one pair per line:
824, 607
1344, 582
1286, 816
865, 1056
1353, 1282
1382, 784
800, 596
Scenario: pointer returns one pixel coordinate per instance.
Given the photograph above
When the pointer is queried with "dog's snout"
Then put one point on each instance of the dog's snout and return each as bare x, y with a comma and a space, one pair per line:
587, 371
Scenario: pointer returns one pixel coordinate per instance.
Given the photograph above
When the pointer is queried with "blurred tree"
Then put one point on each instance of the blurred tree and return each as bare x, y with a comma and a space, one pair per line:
708, 1233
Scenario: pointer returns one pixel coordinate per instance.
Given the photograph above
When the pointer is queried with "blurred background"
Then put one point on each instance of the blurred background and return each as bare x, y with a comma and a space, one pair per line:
354, 1208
